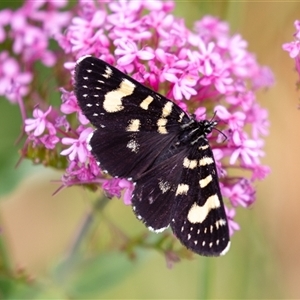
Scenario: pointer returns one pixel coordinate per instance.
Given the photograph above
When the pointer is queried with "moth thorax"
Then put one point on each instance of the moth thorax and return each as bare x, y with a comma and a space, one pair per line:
192, 132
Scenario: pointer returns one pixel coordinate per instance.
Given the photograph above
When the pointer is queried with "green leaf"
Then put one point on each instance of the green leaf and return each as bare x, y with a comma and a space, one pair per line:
10, 173
15, 289
9, 132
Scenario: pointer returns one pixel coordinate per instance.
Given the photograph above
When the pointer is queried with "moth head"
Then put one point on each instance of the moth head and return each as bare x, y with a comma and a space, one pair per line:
208, 126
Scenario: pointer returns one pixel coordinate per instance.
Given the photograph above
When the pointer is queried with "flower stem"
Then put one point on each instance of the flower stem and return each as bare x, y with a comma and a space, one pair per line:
85, 226
206, 276
72, 257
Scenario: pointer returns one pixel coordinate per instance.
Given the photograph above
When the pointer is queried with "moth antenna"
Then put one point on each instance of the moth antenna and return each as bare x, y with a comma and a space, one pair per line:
212, 119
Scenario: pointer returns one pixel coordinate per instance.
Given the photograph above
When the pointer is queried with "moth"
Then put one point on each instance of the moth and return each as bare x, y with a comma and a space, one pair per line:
148, 139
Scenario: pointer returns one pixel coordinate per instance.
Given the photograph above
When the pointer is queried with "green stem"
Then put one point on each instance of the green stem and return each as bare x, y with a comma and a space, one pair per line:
85, 226
72, 256
206, 278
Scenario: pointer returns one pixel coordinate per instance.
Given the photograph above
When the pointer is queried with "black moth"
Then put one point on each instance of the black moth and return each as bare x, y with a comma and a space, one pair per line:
144, 137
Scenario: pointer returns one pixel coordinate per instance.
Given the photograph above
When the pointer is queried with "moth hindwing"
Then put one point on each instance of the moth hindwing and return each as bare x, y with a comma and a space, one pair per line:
142, 136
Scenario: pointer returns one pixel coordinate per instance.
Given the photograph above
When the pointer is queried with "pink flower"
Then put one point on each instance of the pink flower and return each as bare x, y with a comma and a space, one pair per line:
208, 59
260, 172
70, 105
129, 187
259, 118
30, 41
49, 141
80, 173
238, 194
13, 81
245, 149
39, 123
233, 226
113, 187
78, 148
129, 52
5, 16
183, 86
297, 26
235, 120
212, 28
293, 48
85, 36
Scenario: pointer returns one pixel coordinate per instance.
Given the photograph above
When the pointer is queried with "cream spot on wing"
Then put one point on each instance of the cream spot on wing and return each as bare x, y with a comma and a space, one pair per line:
197, 214
88, 140
134, 125
150, 199
204, 182
203, 147
108, 72
220, 222
182, 189
164, 186
145, 103
190, 163
206, 160
181, 117
133, 146
226, 249
158, 230
161, 124
113, 99
167, 109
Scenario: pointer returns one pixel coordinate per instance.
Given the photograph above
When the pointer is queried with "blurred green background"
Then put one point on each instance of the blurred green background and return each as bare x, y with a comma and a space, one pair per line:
37, 229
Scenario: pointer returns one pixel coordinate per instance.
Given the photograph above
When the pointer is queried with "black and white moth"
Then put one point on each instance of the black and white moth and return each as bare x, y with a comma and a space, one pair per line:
144, 137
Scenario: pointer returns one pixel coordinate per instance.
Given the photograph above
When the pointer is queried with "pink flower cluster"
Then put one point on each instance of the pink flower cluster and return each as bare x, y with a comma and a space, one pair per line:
204, 70
294, 47
29, 29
